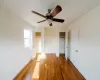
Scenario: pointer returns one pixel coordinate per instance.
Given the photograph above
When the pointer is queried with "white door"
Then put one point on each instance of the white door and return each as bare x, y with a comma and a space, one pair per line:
66, 45
74, 46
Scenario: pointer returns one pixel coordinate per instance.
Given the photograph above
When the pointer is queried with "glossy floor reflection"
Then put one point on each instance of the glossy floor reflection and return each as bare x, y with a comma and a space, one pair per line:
35, 75
54, 68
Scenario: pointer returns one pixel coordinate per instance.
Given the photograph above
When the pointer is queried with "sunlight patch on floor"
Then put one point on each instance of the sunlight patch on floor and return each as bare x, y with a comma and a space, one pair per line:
36, 69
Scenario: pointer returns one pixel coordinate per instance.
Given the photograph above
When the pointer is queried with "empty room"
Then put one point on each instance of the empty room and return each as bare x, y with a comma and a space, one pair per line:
49, 39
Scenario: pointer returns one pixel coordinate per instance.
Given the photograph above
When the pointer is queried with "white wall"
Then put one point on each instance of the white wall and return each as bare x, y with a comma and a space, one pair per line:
13, 55
85, 36
51, 39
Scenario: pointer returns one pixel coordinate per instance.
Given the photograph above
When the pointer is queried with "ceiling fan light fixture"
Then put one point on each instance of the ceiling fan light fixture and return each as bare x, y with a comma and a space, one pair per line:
49, 21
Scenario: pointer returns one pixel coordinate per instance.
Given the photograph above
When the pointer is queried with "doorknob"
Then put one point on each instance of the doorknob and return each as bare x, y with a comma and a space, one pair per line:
76, 50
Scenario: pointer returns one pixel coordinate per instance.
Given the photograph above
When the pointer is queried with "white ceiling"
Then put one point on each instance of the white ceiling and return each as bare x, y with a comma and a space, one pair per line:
72, 9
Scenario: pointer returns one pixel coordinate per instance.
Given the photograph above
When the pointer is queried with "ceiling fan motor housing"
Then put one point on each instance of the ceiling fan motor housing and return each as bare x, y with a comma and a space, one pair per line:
49, 10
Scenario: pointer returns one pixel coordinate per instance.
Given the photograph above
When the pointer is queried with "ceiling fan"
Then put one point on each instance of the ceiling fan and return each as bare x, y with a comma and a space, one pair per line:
50, 15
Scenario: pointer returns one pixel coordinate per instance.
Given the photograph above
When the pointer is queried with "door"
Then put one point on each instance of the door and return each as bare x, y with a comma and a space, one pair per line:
68, 44
74, 46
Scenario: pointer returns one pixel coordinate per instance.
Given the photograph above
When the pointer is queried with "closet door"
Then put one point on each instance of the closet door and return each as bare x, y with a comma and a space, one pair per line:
74, 46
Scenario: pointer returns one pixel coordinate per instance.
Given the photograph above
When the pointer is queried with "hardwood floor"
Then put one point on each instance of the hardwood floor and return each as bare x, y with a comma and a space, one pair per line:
54, 68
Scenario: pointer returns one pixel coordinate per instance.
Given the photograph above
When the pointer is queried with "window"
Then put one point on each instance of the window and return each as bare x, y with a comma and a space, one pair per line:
27, 38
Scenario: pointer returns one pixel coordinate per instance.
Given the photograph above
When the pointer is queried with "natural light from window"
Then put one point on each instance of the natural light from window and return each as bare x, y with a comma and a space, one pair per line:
27, 38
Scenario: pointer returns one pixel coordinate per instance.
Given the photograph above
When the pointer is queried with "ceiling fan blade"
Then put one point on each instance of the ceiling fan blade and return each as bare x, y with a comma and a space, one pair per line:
58, 20
38, 14
56, 11
41, 21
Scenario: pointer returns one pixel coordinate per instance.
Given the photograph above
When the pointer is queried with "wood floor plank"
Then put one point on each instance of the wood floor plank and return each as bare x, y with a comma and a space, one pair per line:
50, 69
53, 68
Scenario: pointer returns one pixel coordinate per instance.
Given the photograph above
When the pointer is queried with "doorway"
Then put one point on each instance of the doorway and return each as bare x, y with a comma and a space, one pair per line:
62, 43
37, 43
